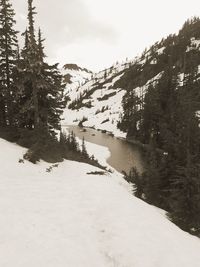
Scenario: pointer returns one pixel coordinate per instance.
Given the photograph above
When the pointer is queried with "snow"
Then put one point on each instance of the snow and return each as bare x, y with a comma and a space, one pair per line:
96, 120
142, 62
154, 61
78, 78
195, 44
160, 51
181, 77
148, 54
101, 153
141, 91
198, 114
113, 108
69, 218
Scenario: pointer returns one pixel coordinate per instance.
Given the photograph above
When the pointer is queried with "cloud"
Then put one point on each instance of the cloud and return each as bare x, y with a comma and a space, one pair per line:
98, 32
65, 21
65, 24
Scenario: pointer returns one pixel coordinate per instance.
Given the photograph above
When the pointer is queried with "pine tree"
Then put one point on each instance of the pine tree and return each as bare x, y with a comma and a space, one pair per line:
105, 74
25, 114
74, 146
41, 54
8, 52
29, 68
50, 83
33, 66
131, 116
41, 99
84, 150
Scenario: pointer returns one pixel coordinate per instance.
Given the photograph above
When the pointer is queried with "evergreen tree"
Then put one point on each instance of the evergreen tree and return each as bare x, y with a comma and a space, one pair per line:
84, 150
105, 74
25, 115
51, 98
132, 112
33, 66
29, 68
41, 98
8, 52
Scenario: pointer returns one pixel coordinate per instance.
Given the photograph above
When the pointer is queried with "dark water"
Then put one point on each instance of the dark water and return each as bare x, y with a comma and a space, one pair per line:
123, 155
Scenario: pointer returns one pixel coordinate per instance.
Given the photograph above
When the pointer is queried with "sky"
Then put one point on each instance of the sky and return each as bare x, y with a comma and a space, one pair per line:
97, 33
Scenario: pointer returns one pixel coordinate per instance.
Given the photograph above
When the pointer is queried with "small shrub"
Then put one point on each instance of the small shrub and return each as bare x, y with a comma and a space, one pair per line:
105, 121
84, 119
106, 97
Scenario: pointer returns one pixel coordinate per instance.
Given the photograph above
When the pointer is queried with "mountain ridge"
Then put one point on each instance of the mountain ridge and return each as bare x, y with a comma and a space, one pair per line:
73, 66
137, 74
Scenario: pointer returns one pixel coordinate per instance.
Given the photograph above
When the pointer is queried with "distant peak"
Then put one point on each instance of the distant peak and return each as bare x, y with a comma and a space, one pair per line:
75, 67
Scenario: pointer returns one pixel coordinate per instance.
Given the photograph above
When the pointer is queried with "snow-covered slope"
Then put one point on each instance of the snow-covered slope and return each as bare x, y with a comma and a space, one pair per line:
75, 76
98, 101
69, 218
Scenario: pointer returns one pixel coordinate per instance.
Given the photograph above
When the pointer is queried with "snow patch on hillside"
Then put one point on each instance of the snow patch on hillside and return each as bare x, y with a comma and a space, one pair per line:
161, 50
195, 44
141, 91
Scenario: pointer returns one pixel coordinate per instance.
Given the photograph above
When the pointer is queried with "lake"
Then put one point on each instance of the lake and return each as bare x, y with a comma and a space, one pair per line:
123, 155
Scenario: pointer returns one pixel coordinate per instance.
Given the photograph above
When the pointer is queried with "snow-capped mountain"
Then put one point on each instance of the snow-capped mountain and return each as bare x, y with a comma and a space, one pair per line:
75, 76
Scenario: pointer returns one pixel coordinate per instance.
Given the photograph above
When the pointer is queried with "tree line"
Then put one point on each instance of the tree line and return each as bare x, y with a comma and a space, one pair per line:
166, 118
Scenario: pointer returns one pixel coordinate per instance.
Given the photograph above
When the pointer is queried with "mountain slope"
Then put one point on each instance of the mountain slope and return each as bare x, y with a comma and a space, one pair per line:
97, 102
166, 64
69, 218
164, 114
102, 100
75, 76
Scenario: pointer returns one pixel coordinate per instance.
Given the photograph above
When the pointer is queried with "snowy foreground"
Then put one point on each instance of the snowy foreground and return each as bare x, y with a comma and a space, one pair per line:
68, 218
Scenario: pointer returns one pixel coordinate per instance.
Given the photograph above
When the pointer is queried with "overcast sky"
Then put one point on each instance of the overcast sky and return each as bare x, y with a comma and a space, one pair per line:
97, 33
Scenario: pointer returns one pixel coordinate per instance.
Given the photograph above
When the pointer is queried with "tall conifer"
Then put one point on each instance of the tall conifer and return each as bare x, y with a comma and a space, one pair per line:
8, 52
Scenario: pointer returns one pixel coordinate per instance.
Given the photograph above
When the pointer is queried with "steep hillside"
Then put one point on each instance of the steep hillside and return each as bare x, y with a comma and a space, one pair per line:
98, 103
75, 76
161, 109
69, 218
102, 102
166, 64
